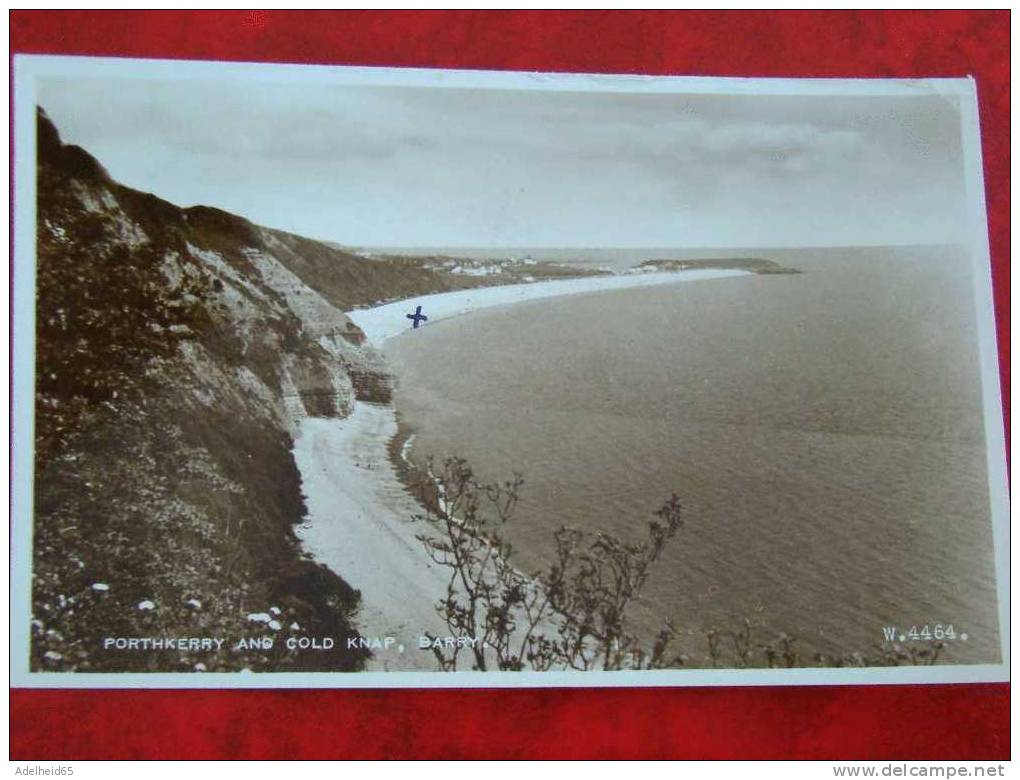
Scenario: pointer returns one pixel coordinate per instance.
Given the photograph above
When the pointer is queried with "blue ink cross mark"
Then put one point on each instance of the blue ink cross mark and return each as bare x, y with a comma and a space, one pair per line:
417, 317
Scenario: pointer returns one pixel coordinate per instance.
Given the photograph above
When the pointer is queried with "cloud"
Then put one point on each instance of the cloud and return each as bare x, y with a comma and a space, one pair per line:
408, 166
776, 145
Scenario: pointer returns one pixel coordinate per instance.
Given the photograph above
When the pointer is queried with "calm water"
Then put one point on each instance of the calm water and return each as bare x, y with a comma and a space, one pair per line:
824, 431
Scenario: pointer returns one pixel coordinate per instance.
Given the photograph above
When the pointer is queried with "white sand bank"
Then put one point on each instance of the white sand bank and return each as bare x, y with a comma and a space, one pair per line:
380, 323
359, 526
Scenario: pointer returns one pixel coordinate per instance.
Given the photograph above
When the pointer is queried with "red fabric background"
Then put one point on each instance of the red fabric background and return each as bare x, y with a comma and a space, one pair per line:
963, 721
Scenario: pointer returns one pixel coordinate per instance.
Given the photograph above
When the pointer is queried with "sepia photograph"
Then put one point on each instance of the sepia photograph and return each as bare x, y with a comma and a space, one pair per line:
367, 377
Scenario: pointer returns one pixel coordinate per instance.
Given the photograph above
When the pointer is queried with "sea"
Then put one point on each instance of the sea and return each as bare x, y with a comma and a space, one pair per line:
823, 430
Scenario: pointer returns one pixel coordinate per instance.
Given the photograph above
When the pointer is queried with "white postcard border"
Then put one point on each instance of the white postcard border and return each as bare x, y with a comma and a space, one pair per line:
27, 68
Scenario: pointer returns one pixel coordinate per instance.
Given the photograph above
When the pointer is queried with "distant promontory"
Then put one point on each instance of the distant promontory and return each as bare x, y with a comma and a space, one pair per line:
755, 265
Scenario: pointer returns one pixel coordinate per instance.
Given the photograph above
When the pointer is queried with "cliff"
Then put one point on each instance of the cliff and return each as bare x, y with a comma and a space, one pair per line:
177, 348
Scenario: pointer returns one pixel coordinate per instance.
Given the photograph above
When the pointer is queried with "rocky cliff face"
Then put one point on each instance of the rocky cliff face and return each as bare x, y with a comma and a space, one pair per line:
177, 349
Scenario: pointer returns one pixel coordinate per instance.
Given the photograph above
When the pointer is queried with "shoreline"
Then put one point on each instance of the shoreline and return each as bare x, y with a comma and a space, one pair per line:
383, 322
356, 478
360, 522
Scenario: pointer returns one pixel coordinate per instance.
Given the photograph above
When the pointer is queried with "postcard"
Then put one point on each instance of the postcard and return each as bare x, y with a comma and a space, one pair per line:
367, 377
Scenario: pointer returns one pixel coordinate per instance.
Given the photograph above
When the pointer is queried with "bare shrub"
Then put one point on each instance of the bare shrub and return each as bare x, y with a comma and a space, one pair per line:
572, 616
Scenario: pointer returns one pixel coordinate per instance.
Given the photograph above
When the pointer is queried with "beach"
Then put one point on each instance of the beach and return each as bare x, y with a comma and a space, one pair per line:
380, 323
359, 521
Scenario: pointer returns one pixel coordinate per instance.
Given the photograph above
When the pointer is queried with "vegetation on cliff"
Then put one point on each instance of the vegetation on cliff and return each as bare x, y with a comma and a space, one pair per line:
170, 374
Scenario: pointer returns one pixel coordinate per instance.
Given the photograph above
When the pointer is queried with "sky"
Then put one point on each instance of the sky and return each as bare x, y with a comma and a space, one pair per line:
442, 167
